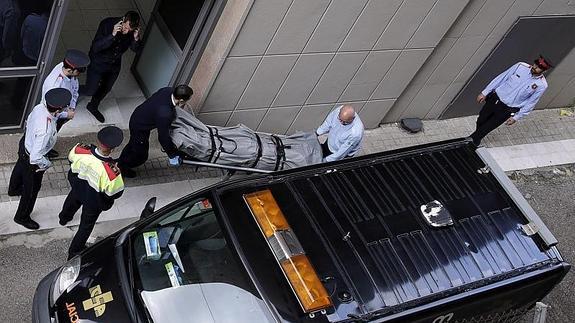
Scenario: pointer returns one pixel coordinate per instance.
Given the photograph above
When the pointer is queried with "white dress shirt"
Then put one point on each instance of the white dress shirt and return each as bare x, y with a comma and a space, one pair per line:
342, 140
56, 79
518, 88
40, 135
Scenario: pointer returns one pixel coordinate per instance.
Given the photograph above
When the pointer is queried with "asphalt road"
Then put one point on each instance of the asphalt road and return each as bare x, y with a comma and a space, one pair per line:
26, 258
551, 192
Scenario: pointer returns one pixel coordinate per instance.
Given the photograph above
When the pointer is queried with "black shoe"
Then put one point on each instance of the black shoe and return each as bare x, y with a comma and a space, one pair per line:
128, 173
52, 154
15, 192
62, 222
28, 224
97, 114
473, 142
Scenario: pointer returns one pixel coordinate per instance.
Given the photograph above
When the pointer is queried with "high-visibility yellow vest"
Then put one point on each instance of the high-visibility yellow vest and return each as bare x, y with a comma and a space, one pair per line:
102, 176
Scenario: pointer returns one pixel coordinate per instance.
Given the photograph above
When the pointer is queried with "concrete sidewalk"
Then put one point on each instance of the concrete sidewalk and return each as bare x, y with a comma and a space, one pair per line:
544, 138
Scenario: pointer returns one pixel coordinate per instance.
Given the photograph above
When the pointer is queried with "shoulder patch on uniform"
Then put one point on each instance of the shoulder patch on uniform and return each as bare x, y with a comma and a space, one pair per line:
112, 170
82, 149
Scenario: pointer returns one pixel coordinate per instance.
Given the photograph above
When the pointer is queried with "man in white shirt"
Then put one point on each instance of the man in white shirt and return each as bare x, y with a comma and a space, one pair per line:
510, 96
38, 140
345, 132
65, 75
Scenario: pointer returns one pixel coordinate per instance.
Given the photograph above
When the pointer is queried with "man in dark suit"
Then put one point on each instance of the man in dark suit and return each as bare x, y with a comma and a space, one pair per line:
113, 38
157, 112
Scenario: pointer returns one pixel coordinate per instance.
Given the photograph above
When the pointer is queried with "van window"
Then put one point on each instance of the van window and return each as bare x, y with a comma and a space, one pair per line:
186, 246
187, 267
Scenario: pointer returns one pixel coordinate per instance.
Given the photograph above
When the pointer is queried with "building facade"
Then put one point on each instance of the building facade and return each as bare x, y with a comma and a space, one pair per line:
282, 65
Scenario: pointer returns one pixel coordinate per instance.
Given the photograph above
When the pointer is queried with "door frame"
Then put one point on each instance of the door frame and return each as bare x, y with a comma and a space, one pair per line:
38, 72
189, 56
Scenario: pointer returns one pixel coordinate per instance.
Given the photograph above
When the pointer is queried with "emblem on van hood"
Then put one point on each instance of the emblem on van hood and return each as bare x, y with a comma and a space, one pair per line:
97, 300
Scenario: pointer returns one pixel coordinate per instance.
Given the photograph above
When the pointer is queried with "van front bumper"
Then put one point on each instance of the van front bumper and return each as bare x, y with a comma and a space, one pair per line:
41, 303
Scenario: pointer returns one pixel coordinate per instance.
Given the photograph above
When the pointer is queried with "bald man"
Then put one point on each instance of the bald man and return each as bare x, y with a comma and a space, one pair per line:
345, 131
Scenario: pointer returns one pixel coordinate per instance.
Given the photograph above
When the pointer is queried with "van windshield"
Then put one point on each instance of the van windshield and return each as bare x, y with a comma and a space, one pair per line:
185, 263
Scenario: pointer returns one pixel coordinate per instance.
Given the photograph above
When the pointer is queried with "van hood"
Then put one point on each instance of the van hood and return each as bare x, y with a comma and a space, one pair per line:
96, 296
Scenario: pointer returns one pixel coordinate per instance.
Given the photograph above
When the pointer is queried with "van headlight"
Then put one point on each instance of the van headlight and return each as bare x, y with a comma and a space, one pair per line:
67, 276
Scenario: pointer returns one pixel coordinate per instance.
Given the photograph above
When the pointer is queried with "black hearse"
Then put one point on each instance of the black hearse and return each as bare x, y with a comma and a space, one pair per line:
434, 233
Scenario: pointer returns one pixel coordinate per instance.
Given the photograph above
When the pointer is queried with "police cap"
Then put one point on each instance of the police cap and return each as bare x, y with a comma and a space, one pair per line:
58, 98
543, 63
76, 59
110, 136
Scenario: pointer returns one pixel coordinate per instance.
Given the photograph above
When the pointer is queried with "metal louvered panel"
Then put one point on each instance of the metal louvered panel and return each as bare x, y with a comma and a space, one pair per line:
391, 254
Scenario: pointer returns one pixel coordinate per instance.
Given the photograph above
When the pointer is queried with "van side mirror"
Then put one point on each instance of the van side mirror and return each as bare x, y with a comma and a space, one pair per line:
149, 208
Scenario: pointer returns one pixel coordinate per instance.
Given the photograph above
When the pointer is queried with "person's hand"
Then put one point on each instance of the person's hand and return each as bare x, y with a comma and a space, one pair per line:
117, 28
43, 169
176, 161
137, 34
71, 114
480, 98
510, 121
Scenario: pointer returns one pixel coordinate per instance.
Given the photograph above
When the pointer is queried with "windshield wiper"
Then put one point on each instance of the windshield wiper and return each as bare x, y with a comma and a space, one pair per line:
126, 282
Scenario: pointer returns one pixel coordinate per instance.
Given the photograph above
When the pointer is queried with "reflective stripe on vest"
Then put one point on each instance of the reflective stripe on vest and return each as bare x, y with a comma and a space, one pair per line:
102, 176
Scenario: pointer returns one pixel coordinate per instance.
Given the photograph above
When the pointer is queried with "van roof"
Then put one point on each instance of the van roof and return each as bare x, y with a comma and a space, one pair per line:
361, 225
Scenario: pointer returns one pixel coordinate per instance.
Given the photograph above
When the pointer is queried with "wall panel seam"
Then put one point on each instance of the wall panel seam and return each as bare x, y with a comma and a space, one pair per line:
328, 64
389, 22
260, 61
225, 55
421, 23
566, 84
433, 107
426, 82
354, 23
299, 55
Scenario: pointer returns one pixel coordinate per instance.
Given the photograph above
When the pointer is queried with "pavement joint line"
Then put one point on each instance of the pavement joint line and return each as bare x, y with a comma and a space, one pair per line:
126, 207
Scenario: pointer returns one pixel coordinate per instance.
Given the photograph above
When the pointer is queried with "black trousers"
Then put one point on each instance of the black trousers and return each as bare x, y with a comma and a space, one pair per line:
136, 151
88, 219
26, 182
492, 115
325, 150
99, 83
60, 123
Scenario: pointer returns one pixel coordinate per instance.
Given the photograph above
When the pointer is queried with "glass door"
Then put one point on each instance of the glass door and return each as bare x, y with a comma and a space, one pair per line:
28, 37
173, 34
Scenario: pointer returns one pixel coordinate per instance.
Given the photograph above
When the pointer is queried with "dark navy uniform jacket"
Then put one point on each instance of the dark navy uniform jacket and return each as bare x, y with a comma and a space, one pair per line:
157, 112
106, 50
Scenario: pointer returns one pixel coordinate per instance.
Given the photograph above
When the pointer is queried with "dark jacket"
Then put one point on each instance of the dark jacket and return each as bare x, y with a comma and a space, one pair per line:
91, 199
106, 50
157, 112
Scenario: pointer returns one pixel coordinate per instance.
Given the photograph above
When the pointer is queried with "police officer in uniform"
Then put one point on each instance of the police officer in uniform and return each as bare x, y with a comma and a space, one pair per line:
157, 112
96, 182
510, 96
38, 140
113, 38
66, 75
